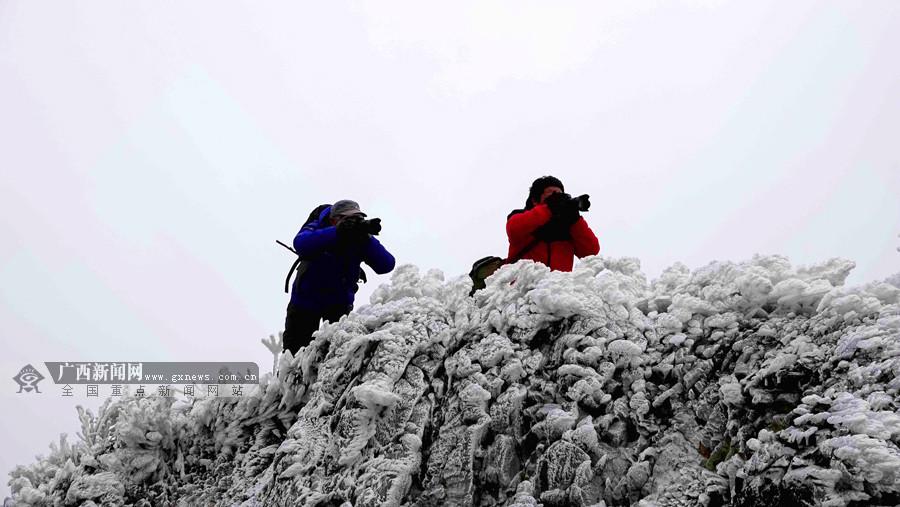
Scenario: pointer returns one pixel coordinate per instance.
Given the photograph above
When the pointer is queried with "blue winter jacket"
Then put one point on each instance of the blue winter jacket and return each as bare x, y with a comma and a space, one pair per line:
331, 275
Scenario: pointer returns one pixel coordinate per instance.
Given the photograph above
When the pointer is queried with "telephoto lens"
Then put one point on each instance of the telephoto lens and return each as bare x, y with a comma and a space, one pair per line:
584, 202
373, 226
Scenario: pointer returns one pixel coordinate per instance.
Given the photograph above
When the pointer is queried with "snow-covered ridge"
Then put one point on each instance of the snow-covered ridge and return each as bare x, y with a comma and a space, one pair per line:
750, 383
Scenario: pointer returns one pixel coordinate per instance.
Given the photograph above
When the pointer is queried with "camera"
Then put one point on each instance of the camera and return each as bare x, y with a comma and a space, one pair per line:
564, 203
361, 225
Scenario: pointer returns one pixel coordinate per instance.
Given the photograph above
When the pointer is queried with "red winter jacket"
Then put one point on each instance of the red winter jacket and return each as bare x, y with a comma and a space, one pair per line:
558, 255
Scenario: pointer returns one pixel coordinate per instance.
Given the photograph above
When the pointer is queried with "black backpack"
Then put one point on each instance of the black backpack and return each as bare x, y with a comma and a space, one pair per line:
300, 264
487, 266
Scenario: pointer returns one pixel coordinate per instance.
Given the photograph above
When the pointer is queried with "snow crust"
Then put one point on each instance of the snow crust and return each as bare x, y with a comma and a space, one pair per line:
751, 383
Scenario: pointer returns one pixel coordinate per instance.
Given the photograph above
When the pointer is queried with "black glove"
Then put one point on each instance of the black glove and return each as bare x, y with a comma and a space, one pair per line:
351, 230
564, 208
556, 202
570, 212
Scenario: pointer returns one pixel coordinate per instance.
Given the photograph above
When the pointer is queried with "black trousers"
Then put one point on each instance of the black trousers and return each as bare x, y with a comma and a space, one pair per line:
299, 325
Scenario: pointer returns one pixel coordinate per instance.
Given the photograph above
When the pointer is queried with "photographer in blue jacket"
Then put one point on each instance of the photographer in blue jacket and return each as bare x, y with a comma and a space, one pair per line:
331, 248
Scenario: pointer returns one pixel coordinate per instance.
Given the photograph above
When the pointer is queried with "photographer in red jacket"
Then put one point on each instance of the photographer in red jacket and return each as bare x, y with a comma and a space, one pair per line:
551, 229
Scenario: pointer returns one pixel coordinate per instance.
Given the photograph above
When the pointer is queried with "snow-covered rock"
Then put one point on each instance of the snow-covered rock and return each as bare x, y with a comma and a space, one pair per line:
745, 384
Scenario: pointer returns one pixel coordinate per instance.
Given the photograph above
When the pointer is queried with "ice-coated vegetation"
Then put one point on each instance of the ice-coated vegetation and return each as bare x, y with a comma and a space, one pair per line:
746, 384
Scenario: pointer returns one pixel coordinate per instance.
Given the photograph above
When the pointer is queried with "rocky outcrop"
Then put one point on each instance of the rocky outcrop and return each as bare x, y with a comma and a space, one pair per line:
742, 384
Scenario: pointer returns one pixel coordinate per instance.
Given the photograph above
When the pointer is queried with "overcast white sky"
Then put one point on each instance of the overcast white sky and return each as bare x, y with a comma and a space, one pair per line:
151, 152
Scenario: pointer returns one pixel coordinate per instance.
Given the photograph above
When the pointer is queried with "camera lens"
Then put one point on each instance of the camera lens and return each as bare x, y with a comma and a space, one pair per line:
583, 202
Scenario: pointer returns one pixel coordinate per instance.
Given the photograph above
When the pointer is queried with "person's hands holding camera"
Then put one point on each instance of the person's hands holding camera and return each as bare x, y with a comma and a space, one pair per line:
569, 213
563, 207
557, 202
355, 230
351, 228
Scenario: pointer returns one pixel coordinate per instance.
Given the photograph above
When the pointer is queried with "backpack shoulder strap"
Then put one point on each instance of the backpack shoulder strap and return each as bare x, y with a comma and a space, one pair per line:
521, 253
287, 280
